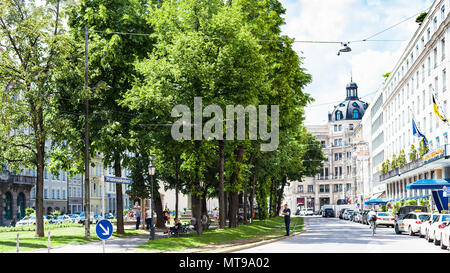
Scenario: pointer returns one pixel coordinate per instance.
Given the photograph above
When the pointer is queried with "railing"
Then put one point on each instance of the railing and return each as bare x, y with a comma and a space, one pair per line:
18, 179
405, 168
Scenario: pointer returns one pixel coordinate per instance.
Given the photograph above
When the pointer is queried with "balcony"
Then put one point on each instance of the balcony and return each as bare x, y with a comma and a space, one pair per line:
398, 171
7, 177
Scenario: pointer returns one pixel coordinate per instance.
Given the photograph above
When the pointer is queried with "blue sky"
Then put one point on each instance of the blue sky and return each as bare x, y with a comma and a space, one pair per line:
348, 20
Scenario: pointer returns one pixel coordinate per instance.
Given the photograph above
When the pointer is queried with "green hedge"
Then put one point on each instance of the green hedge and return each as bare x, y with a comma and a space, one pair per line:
33, 227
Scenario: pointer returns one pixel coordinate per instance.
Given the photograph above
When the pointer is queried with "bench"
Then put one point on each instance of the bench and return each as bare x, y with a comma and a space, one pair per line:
183, 230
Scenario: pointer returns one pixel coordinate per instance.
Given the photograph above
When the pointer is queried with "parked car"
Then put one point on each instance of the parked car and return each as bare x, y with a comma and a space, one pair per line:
351, 215
426, 223
328, 212
434, 232
27, 220
341, 213
346, 215
297, 212
407, 209
49, 219
61, 219
385, 219
97, 218
357, 216
83, 218
364, 219
445, 236
411, 223
109, 216
309, 212
75, 218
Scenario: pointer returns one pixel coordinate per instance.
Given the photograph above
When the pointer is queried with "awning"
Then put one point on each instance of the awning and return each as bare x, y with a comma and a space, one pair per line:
376, 201
377, 195
434, 184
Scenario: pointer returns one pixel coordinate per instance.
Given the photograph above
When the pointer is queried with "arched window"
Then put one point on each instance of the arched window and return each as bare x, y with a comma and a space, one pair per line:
338, 115
355, 114
8, 205
355, 105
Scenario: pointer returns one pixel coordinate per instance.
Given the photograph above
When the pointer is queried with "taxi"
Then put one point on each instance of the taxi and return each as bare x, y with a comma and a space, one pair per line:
411, 222
385, 218
427, 223
436, 227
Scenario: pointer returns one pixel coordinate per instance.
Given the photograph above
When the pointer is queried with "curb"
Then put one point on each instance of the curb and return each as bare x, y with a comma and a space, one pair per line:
264, 242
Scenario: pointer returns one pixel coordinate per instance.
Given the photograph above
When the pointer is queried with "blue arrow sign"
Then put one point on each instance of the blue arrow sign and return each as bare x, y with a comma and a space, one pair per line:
104, 229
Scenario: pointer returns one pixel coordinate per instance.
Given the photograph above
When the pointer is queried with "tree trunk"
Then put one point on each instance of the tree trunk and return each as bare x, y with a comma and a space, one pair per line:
176, 188
234, 204
119, 195
222, 201
196, 212
245, 206
204, 210
40, 147
159, 210
252, 197
225, 208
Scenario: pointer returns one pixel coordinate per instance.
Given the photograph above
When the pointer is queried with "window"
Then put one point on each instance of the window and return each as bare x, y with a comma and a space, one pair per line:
443, 49
310, 188
340, 127
299, 188
45, 193
350, 126
322, 188
355, 114
338, 115
429, 65
435, 54
348, 187
335, 188
53, 194
435, 23
443, 13
428, 34
444, 80
335, 128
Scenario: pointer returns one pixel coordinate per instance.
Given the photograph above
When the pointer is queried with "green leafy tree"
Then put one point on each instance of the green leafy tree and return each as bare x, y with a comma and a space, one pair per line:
394, 162
413, 153
401, 160
423, 149
33, 42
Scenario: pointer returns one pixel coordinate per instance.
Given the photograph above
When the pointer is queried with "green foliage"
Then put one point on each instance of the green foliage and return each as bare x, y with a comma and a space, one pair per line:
29, 211
394, 162
401, 160
386, 75
423, 149
56, 213
413, 153
421, 17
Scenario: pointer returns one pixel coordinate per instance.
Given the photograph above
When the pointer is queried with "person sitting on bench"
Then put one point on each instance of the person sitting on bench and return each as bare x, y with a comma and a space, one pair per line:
176, 228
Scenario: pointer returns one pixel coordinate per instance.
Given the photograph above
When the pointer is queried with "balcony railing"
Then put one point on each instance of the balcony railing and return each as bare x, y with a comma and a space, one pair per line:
405, 168
17, 179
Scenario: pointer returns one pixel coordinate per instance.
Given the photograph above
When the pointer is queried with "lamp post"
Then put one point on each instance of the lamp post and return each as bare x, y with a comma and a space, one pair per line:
151, 171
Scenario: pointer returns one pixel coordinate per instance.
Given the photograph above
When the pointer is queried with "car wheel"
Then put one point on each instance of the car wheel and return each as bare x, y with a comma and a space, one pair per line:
436, 242
442, 244
410, 232
397, 231
427, 237
420, 233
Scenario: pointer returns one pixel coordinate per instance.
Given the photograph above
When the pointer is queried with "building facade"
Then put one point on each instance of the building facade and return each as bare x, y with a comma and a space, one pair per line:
406, 94
336, 183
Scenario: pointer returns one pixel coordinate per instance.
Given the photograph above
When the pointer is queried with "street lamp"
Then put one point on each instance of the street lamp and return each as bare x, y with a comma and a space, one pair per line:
344, 48
151, 172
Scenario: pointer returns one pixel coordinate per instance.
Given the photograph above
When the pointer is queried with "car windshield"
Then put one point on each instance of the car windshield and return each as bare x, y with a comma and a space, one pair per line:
60, 217
423, 217
26, 218
33, 218
383, 214
445, 217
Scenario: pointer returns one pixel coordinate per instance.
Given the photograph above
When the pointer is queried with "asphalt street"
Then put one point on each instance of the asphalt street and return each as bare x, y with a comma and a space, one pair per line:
332, 235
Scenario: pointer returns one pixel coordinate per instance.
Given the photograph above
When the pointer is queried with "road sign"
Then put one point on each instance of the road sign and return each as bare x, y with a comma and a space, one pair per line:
115, 179
104, 229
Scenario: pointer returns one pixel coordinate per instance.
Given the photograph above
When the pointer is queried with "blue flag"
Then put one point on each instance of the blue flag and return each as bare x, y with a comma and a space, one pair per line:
417, 133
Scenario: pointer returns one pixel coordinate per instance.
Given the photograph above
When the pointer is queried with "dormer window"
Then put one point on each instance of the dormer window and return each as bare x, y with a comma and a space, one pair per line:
355, 114
338, 115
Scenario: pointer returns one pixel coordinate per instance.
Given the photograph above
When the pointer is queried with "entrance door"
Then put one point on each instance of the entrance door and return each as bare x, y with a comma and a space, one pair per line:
20, 205
8, 206
324, 201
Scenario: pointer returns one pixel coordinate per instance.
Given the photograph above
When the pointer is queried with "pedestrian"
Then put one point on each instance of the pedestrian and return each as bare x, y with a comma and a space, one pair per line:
214, 213
148, 218
138, 218
287, 218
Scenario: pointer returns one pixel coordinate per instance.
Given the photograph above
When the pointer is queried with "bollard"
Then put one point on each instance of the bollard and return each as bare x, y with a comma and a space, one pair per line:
49, 241
17, 244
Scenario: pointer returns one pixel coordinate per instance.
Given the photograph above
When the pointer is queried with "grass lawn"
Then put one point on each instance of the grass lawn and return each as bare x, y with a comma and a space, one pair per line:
59, 237
274, 226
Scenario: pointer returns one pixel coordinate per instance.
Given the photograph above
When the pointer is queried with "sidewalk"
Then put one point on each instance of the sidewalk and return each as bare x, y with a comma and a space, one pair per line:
116, 245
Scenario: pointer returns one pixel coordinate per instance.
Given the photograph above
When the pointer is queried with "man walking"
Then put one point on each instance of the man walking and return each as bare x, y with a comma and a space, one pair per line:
287, 218
138, 218
148, 218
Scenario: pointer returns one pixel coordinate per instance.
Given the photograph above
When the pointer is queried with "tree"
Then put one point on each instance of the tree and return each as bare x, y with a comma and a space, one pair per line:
33, 42
112, 70
413, 153
394, 162
401, 160
421, 17
423, 149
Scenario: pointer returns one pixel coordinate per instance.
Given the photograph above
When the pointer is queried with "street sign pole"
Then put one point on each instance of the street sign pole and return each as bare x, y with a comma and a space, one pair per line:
103, 197
104, 230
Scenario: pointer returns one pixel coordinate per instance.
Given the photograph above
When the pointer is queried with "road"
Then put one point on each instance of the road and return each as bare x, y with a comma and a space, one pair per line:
333, 235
